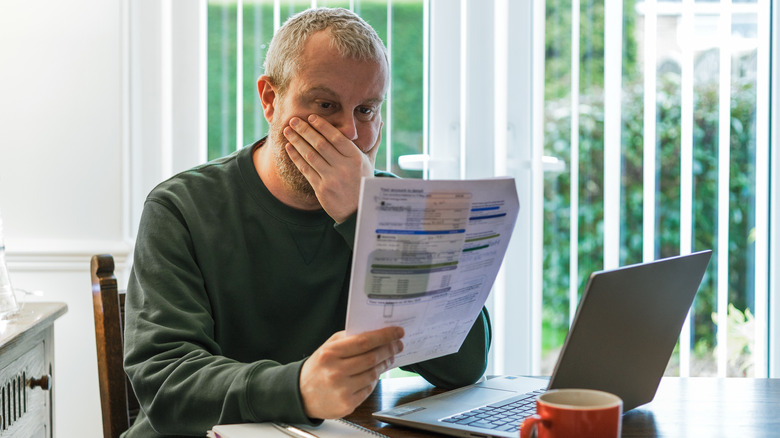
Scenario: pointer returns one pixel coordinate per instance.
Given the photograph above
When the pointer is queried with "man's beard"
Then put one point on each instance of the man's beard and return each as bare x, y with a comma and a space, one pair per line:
289, 172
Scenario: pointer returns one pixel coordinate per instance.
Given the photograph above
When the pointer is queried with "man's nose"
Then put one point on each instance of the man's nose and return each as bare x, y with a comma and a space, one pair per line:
345, 122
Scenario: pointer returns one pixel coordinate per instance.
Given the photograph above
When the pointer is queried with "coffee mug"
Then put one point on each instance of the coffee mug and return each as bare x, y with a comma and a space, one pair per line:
582, 413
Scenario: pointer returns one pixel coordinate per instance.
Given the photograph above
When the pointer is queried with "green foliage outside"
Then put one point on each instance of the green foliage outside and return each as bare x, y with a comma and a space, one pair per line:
406, 77
667, 228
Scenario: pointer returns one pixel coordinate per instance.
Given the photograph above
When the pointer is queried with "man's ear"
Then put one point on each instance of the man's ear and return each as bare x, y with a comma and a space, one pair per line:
268, 96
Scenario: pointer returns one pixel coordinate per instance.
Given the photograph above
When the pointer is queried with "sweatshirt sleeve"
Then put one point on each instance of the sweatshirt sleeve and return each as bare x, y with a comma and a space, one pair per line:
464, 367
182, 380
347, 230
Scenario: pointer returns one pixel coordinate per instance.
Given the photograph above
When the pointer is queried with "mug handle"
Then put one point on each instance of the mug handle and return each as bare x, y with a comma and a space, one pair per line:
528, 428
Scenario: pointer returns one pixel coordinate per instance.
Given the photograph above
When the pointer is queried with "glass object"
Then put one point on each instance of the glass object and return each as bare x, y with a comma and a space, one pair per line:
7, 298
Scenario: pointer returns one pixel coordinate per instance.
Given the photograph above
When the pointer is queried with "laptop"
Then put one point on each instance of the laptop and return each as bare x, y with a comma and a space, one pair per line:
623, 333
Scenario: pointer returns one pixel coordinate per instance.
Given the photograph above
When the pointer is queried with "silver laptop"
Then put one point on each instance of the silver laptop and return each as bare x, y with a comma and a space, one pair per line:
623, 334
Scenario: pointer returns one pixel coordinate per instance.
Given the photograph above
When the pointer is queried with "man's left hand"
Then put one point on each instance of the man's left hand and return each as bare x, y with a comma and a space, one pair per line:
331, 163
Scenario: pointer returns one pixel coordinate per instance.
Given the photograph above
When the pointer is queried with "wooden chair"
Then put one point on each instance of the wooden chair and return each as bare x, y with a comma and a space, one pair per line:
117, 400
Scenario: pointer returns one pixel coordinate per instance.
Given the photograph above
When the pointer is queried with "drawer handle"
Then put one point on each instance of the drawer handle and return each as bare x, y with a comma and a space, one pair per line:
43, 382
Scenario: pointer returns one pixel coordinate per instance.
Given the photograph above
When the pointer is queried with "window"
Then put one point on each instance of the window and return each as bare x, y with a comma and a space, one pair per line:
660, 111
662, 148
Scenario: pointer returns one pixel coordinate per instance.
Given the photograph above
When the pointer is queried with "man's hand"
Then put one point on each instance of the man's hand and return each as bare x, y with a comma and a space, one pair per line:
345, 370
331, 163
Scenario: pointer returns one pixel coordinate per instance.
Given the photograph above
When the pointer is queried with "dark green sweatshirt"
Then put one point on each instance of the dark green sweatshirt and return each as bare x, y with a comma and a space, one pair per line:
230, 292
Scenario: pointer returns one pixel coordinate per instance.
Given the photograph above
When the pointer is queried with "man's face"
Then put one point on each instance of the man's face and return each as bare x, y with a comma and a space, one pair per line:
345, 92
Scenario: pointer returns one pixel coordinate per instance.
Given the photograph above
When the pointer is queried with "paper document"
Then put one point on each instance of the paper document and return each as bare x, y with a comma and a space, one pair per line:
426, 256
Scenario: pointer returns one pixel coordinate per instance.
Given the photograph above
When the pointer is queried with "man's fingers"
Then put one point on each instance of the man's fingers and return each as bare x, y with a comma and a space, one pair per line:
345, 370
334, 136
331, 162
365, 342
303, 165
305, 148
318, 141
367, 380
376, 361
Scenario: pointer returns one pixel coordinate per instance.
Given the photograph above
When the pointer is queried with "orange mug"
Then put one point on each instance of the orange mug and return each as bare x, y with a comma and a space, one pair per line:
582, 413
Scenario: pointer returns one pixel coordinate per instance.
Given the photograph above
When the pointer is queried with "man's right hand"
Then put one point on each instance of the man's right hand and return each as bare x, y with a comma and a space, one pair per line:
345, 369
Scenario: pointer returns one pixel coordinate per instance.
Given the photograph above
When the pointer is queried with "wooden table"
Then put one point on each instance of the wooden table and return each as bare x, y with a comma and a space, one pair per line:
683, 407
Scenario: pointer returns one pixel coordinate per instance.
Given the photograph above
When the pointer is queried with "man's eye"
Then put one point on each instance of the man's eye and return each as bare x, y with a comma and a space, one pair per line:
326, 105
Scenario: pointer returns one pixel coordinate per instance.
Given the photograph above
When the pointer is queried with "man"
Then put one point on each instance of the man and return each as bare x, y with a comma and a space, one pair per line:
237, 298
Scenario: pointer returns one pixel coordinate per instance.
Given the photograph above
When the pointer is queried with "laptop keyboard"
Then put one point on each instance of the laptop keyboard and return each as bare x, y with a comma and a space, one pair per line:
505, 415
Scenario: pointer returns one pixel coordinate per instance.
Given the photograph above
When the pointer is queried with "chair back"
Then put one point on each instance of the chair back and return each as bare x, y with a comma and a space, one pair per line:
117, 400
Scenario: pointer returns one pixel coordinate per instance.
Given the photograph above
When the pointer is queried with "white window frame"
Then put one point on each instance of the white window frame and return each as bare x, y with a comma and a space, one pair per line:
774, 205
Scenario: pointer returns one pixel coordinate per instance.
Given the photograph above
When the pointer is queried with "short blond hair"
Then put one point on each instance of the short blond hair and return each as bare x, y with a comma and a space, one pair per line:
350, 35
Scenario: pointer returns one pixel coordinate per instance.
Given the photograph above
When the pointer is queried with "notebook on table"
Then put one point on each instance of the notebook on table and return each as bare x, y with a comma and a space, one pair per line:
622, 336
328, 429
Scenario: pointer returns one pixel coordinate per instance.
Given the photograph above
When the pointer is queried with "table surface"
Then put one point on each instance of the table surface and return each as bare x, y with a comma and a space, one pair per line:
30, 316
683, 407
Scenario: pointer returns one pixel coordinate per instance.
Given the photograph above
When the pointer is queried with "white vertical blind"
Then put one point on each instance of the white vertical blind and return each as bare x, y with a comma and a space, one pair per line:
129, 189
649, 127
773, 313
444, 90
389, 99
517, 340
500, 122
500, 41
201, 126
277, 15
762, 193
477, 117
574, 160
724, 146
613, 92
537, 180
686, 159
166, 88
239, 74
463, 89
426, 84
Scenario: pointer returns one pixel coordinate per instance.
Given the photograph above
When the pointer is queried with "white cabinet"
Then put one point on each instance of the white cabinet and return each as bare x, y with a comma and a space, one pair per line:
27, 371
